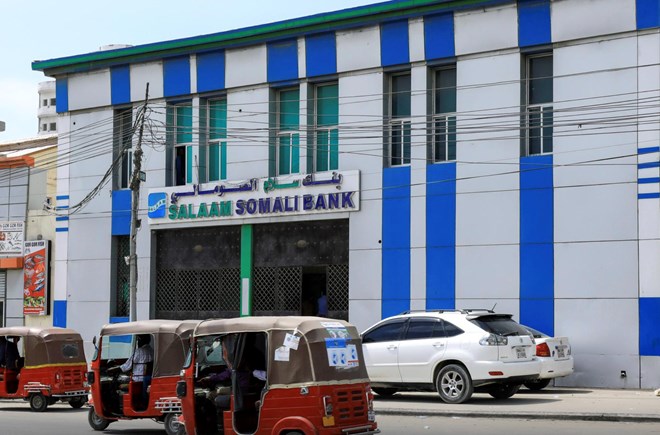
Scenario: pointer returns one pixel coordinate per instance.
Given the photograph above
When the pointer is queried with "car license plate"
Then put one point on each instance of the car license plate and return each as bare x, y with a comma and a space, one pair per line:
561, 352
520, 353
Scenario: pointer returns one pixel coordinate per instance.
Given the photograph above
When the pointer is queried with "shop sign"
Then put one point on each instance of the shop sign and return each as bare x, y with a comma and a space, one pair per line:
35, 277
266, 197
11, 238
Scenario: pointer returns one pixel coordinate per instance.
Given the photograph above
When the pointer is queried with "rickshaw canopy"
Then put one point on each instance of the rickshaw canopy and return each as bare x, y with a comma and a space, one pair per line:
45, 346
301, 350
171, 341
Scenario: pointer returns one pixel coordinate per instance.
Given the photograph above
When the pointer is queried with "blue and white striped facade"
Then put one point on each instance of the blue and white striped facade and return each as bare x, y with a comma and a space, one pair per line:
568, 242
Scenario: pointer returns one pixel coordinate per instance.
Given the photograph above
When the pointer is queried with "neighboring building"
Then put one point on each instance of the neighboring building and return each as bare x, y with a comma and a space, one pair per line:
405, 155
47, 115
27, 180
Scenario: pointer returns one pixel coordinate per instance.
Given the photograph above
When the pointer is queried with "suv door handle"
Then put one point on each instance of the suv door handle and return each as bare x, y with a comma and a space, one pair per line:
438, 345
392, 346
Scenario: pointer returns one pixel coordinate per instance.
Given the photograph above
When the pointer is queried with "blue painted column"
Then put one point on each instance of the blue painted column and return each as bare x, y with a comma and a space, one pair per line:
537, 243
441, 236
396, 240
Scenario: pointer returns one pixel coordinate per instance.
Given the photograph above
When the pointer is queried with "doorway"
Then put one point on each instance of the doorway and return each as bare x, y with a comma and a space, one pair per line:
314, 295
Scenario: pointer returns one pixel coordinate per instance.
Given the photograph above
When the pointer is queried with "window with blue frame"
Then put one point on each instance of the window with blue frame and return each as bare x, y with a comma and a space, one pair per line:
216, 122
180, 120
121, 276
122, 136
444, 115
538, 116
288, 131
326, 127
399, 126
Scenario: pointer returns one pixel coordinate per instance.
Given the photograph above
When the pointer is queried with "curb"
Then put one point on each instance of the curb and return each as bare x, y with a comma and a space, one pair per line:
624, 418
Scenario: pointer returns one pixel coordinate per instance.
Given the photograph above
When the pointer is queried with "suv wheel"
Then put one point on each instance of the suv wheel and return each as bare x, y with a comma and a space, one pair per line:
503, 391
454, 384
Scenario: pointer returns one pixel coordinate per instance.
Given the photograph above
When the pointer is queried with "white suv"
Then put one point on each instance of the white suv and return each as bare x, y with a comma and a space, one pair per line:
453, 352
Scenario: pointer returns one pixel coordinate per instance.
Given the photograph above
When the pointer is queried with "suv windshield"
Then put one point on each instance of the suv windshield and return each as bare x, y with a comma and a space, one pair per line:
500, 325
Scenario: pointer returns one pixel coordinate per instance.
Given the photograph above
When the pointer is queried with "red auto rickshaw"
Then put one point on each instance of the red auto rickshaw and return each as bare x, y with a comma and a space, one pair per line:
42, 365
275, 376
135, 371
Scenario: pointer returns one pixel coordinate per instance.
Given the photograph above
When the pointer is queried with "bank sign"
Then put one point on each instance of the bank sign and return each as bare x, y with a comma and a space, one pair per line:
289, 195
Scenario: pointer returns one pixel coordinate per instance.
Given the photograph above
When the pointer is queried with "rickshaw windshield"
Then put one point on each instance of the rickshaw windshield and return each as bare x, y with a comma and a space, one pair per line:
116, 347
208, 351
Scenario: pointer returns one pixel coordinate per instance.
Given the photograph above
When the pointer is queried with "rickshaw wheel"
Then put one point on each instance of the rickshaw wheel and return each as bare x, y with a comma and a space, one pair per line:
96, 422
38, 403
77, 402
172, 425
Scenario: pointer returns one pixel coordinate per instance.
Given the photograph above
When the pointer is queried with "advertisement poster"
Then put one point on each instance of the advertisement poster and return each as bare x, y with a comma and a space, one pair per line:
11, 238
35, 278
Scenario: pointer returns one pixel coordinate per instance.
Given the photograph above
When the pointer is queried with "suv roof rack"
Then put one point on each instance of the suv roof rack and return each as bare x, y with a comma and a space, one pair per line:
450, 310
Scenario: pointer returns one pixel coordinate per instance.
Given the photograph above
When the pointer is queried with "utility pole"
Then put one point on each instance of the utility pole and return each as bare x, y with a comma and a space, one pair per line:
135, 202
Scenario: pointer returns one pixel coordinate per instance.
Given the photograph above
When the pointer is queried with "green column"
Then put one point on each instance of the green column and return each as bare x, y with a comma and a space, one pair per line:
246, 270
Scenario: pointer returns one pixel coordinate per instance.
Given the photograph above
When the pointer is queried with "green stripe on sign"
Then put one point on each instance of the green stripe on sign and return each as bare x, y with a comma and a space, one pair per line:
246, 270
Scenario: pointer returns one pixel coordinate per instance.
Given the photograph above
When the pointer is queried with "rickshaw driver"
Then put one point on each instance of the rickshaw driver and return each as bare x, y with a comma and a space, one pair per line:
138, 363
222, 400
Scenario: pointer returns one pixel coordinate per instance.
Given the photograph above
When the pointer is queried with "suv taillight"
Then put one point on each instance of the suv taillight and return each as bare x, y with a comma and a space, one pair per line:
493, 340
542, 349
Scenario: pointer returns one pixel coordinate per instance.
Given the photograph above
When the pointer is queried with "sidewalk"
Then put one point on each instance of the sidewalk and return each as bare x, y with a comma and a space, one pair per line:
552, 403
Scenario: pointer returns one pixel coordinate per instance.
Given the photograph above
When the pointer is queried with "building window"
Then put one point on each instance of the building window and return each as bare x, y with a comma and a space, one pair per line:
399, 122
44, 127
326, 131
444, 115
538, 117
122, 276
288, 135
216, 123
45, 102
180, 122
52, 101
52, 126
122, 145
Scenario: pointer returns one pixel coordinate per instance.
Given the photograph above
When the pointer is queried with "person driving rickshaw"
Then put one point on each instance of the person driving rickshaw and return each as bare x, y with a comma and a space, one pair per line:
135, 370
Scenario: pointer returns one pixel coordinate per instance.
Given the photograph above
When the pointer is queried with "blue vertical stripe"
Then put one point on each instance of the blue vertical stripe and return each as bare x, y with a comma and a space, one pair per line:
61, 95
394, 46
534, 22
537, 243
283, 60
176, 76
120, 84
649, 326
441, 236
439, 36
648, 14
321, 54
59, 314
211, 71
121, 212
396, 240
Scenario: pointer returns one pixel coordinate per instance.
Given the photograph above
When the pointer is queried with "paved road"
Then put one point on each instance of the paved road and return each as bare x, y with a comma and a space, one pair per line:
393, 425
17, 419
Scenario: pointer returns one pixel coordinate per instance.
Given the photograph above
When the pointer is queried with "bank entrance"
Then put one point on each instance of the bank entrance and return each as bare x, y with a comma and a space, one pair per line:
298, 268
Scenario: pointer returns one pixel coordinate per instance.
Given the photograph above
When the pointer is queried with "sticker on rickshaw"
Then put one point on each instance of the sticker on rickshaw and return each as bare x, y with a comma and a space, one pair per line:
336, 329
337, 352
352, 356
291, 341
282, 353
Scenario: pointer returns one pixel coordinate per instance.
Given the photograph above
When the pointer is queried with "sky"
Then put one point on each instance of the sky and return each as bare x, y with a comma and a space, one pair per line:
45, 29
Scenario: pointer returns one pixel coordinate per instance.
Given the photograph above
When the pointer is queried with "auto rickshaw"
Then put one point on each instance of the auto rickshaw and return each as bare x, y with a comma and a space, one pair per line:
135, 370
42, 366
276, 375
